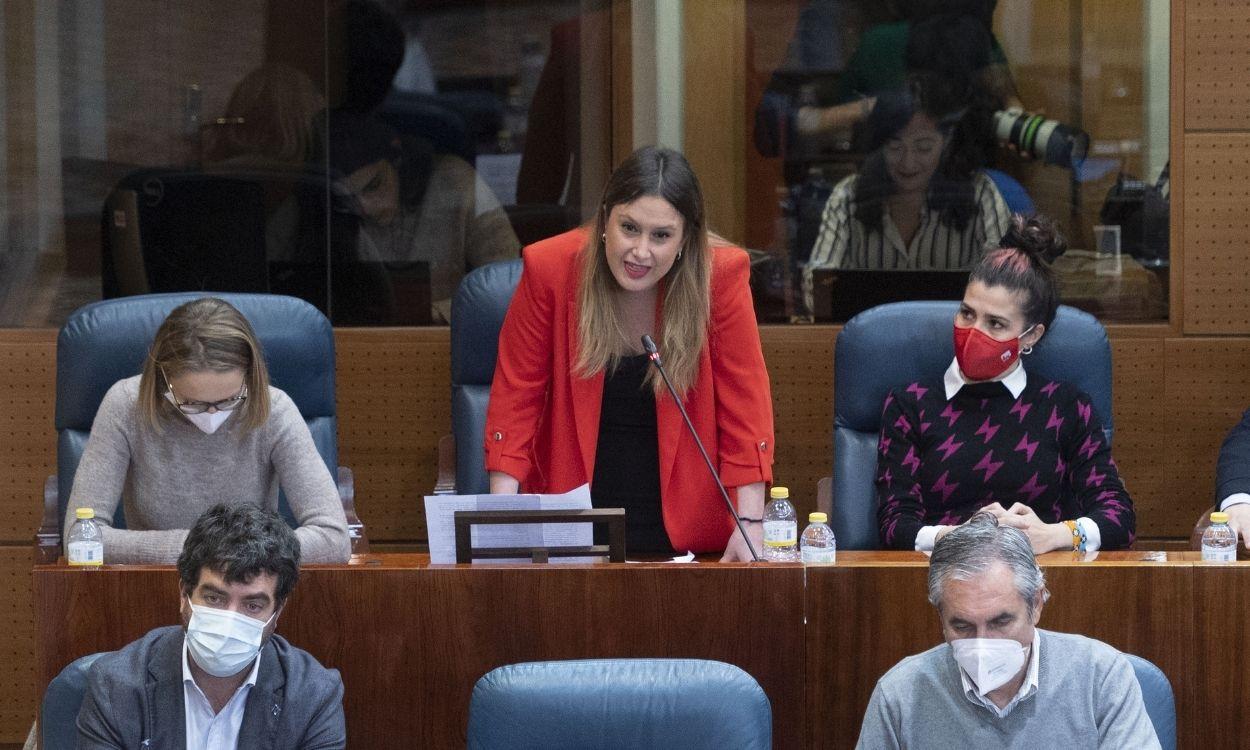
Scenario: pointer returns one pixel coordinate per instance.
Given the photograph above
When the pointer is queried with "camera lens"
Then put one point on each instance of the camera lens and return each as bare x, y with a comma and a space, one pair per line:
1048, 140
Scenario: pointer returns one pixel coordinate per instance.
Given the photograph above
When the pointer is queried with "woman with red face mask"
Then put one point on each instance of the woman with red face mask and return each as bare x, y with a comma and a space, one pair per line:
988, 435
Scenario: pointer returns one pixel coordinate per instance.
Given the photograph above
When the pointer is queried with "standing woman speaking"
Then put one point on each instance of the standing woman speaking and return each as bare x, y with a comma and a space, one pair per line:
574, 399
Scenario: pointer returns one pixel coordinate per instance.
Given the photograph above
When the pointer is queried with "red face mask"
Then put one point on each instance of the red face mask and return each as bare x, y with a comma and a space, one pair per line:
981, 357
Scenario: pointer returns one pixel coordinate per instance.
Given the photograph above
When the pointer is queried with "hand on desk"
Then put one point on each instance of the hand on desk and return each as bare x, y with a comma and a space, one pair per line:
737, 551
1045, 537
1239, 521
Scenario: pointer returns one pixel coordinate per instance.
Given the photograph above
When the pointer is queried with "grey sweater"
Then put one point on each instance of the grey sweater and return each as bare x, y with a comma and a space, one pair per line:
1087, 697
166, 480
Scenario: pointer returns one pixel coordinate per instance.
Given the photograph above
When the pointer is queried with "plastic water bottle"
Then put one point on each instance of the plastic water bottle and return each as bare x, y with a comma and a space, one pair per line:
781, 528
86, 545
817, 545
1219, 542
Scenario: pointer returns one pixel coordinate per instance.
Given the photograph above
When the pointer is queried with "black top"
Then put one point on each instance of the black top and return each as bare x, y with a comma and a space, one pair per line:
627, 459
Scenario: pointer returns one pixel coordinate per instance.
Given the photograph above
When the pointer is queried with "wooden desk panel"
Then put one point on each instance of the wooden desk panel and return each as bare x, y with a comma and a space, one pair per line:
871, 610
412, 641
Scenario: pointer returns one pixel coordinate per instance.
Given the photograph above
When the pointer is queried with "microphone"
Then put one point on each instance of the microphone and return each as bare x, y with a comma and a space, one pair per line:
653, 353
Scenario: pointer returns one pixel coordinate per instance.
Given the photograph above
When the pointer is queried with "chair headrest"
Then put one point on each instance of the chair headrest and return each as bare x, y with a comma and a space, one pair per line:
895, 344
104, 342
477, 314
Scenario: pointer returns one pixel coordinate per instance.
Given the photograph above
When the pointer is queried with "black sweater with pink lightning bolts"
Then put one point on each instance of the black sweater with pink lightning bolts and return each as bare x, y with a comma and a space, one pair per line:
940, 461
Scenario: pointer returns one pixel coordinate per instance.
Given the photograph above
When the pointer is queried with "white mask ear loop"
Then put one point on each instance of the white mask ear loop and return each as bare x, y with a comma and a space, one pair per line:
1026, 350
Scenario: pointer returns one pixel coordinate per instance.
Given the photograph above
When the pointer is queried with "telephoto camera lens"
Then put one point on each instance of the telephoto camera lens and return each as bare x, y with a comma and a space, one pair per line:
1048, 140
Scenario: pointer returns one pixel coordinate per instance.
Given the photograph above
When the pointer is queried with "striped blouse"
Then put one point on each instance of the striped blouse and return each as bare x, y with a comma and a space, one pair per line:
844, 242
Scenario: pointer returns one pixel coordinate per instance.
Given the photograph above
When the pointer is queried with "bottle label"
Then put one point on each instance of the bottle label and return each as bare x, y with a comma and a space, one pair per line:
819, 555
1219, 554
781, 533
86, 553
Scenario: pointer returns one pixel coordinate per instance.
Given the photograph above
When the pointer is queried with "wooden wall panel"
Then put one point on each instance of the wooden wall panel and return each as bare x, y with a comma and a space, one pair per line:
1216, 295
800, 368
27, 437
1138, 391
1208, 387
394, 403
1217, 64
17, 651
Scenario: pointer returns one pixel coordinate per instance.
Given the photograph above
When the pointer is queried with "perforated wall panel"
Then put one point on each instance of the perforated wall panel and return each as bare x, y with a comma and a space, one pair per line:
1217, 64
1217, 234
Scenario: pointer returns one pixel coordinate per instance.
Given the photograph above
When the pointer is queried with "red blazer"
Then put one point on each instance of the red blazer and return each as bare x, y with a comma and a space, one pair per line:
542, 425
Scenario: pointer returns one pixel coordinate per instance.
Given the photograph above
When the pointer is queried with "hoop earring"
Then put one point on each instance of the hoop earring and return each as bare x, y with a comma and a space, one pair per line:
1026, 351
679, 252
604, 237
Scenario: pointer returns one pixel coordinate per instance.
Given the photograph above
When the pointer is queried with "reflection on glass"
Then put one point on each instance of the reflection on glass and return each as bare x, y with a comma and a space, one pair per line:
858, 94
361, 154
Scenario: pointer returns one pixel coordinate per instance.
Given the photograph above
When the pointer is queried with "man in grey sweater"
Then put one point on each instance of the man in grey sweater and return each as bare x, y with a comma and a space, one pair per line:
999, 680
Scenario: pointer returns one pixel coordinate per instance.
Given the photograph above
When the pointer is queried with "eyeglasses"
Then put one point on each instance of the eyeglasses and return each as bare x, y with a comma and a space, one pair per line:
199, 407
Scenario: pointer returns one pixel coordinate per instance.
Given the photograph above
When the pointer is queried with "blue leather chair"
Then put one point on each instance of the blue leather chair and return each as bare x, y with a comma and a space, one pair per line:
1156, 692
58, 713
619, 703
892, 345
104, 342
1014, 194
477, 313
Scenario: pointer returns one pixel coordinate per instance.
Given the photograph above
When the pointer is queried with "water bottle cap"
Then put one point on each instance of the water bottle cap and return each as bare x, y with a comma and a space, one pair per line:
818, 518
1218, 517
85, 513
779, 492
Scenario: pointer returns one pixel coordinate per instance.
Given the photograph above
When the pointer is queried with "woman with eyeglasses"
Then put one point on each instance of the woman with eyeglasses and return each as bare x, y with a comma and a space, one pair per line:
201, 425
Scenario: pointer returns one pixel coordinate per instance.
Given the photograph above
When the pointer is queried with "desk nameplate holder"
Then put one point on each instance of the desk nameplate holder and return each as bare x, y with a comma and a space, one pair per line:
613, 517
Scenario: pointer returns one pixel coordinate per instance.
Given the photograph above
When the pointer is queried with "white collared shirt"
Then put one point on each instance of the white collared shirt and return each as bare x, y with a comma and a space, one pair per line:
206, 731
1027, 688
1015, 381
1237, 498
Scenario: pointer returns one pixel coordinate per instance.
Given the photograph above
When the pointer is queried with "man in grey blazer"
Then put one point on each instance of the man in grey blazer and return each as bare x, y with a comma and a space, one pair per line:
222, 679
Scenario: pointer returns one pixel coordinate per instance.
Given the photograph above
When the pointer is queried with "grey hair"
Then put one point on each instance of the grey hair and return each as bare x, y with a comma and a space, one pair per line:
973, 548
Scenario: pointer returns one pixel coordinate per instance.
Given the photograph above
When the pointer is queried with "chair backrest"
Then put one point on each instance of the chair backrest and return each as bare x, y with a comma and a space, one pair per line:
477, 314
1014, 195
58, 713
1156, 693
104, 342
616, 703
892, 345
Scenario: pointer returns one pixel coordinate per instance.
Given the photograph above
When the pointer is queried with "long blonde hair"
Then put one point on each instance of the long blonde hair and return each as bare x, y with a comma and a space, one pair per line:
685, 307
204, 334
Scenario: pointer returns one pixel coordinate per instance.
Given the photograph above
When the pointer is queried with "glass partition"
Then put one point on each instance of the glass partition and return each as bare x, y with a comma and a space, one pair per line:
890, 144
361, 155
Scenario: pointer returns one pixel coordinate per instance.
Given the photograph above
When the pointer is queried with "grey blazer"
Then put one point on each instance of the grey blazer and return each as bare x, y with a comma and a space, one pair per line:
134, 699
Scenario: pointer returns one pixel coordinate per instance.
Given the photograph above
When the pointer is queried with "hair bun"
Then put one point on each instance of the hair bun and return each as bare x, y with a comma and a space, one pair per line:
1036, 236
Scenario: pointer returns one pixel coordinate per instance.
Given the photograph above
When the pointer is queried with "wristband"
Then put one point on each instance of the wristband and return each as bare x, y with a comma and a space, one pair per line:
1079, 540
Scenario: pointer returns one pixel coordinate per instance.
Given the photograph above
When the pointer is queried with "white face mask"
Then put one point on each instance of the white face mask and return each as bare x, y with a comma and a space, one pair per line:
208, 423
989, 662
224, 642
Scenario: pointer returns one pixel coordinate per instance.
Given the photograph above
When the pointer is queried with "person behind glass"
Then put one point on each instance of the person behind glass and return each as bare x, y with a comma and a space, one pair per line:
199, 424
574, 398
987, 435
223, 679
920, 201
1232, 479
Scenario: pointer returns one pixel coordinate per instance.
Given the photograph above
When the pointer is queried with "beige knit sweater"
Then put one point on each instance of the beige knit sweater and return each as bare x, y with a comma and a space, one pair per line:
166, 480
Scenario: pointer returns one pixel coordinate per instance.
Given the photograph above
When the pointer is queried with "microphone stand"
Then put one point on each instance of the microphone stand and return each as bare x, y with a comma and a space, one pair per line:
653, 353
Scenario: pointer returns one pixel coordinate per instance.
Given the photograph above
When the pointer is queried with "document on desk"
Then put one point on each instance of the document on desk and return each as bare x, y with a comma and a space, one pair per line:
441, 524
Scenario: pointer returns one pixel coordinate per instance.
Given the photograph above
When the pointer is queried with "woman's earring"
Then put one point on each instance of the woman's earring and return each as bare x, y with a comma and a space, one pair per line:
679, 252
1026, 350
604, 237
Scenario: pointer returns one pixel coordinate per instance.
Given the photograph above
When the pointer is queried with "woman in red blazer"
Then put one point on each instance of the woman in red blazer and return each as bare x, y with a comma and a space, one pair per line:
574, 399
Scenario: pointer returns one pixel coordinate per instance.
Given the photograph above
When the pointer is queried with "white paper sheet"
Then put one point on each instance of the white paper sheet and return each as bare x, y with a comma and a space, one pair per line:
440, 521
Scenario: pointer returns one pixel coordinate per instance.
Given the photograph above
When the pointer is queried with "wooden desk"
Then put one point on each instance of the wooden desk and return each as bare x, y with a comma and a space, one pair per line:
411, 639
